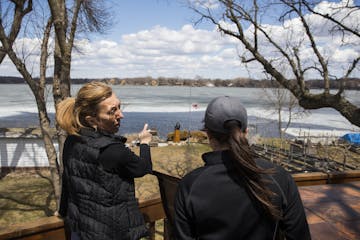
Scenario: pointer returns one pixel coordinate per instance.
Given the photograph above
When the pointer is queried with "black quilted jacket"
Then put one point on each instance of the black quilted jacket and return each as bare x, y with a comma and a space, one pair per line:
98, 203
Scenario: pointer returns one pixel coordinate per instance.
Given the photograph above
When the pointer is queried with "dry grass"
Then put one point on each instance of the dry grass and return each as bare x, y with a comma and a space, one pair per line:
24, 197
337, 151
28, 196
173, 160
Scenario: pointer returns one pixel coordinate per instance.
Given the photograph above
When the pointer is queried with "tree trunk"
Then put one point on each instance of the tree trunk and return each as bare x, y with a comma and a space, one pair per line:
339, 103
50, 152
48, 141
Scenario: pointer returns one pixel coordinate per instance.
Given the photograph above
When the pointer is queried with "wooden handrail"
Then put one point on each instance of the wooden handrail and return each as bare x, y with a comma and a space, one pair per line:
320, 178
53, 227
152, 209
46, 226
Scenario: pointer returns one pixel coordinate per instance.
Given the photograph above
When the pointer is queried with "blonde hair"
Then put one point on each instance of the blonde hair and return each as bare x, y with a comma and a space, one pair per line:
71, 112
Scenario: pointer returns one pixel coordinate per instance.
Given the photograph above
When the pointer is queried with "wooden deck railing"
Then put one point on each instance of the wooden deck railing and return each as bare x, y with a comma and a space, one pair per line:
50, 228
53, 227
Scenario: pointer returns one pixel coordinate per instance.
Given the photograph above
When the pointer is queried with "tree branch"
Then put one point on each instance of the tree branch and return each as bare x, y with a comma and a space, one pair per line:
7, 47
44, 53
349, 71
332, 19
19, 14
73, 26
314, 47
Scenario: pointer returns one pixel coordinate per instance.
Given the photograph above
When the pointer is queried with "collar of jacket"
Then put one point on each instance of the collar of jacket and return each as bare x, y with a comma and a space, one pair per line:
215, 157
89, 132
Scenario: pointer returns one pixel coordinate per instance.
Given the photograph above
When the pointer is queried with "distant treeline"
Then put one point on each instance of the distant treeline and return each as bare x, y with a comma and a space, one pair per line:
351, 83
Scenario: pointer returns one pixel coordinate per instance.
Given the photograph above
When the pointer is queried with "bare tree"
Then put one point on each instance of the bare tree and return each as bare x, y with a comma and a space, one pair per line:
294, 42
65, 16
89, 16
282, 101
22, 8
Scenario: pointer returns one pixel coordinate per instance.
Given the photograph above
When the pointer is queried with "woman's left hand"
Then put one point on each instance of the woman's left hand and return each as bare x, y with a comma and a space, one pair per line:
145, 135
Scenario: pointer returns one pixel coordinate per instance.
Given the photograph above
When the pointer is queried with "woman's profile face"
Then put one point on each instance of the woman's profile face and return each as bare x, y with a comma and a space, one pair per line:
109, 115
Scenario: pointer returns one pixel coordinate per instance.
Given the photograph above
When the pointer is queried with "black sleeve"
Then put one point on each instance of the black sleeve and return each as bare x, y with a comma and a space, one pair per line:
63, 205
120, 159
63, 200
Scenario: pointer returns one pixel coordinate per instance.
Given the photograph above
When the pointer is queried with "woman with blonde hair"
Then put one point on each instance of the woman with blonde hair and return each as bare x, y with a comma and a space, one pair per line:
98, 195
236, 195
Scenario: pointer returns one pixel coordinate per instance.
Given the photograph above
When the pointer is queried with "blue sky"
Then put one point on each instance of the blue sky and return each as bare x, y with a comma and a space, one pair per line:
158, 38
134, 16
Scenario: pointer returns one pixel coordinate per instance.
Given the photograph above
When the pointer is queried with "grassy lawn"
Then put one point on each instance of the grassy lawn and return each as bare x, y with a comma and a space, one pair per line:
25, 197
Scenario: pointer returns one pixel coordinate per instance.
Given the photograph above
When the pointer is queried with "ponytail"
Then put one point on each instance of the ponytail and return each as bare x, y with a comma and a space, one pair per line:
65, 116
243, 158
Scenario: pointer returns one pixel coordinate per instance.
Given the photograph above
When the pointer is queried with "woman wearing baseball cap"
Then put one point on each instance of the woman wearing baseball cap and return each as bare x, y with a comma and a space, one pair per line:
236, 195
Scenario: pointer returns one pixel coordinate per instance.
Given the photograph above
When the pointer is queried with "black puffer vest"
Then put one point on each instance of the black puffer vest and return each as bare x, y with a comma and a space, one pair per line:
100, 204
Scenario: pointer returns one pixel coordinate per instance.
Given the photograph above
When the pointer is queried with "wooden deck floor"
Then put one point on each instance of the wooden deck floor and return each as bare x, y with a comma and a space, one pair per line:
333, 210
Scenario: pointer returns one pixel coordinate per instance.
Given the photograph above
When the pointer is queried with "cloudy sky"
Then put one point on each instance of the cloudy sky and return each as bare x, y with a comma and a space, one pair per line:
158, 38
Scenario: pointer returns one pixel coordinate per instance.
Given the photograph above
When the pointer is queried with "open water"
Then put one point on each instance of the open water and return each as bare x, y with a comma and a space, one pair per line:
163, 106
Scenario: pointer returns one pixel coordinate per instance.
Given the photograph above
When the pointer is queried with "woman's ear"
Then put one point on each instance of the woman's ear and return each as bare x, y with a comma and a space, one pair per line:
246, 132
91, 121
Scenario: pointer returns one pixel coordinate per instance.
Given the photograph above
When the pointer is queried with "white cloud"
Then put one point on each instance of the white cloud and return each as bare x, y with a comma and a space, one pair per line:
229, 53
211, 4
161, 52
188, 52
344, 55
326, 7
185, 41
7, 68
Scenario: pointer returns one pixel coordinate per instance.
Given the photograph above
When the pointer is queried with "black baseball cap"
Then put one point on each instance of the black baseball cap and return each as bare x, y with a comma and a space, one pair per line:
223, 109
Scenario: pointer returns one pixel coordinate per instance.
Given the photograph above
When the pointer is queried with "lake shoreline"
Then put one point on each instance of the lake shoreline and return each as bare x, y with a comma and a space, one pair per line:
163, 107
240, 82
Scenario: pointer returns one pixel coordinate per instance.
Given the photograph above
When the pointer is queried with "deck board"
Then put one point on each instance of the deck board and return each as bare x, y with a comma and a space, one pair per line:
333, 210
